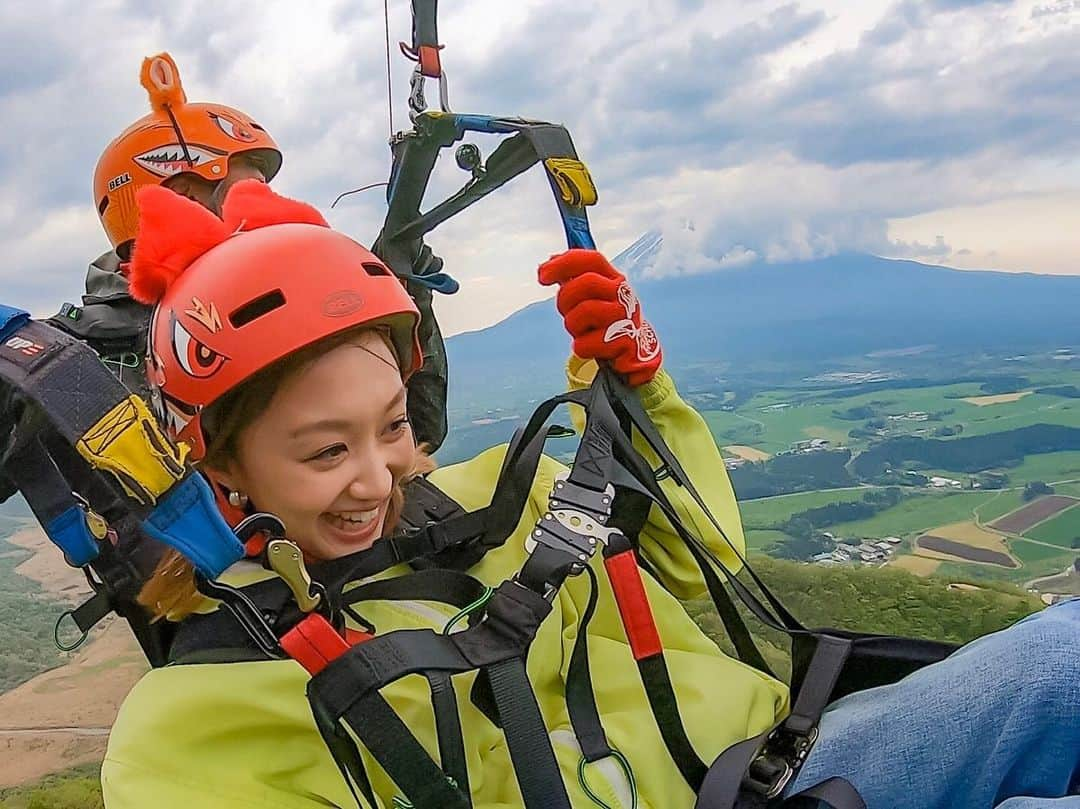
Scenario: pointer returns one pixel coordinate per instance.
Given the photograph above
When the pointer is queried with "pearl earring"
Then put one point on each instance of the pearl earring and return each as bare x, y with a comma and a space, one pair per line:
238, 499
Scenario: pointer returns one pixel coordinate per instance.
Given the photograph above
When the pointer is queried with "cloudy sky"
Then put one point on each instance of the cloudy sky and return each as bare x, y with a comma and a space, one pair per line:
944, 130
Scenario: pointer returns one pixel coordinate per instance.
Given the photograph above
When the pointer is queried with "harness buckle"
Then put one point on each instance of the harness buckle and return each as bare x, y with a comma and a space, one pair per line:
568, 493
780, 759
575, 521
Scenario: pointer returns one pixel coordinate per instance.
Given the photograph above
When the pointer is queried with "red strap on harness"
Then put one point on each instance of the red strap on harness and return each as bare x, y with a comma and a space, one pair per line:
256, 544
637, 617
428, 56
314, 643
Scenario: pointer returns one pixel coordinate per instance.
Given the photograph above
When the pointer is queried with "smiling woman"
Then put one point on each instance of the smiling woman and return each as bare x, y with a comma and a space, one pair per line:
329, 456
289, 387
330, 425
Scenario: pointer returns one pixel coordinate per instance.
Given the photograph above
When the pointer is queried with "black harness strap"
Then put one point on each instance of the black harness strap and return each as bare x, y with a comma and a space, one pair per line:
537, 771
580, 699
448, 730
346, 691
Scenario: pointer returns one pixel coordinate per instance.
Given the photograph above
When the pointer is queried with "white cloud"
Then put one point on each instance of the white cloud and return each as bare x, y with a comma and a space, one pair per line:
781, 130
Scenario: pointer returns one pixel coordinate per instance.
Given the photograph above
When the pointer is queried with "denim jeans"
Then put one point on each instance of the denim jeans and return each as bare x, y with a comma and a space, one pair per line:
997, 724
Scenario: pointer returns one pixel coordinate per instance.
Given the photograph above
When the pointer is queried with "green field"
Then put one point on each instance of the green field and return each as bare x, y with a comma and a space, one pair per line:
921, 512
27, 616
810, 414
1033, 409
1048, 467
1068, 488
918, 513
758, 541
77, 788
1037, 558
769, 511
1000, 504
1062, 530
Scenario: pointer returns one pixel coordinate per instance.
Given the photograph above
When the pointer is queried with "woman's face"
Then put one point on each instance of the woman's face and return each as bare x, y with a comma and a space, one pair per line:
329, 450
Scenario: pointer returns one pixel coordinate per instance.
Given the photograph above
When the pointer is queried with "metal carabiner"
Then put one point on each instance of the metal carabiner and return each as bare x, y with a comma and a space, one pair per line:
284, 557
417, 99
245, 611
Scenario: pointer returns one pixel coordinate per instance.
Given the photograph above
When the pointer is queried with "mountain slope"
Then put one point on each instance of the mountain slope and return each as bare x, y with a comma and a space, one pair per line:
843, 306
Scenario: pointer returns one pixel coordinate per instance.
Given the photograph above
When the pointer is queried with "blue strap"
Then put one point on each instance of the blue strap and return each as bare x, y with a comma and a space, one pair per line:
69, 532
187, 520
11, 320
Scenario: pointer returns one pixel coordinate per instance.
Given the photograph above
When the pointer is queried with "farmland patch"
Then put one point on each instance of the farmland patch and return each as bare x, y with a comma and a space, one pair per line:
919, 565
748, 453
1001, 398
951, 549
1019, 521
1062, 530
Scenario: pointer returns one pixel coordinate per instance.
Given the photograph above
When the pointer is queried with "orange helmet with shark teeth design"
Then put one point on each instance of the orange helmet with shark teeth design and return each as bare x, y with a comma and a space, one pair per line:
176, 137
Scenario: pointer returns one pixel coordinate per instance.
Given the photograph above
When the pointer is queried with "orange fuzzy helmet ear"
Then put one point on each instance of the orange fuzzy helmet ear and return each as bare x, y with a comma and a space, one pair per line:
251, 204
161, 79
173, 232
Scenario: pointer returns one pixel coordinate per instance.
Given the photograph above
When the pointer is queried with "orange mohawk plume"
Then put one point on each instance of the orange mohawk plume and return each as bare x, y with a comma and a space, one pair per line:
161, 78
173, 232
250, 204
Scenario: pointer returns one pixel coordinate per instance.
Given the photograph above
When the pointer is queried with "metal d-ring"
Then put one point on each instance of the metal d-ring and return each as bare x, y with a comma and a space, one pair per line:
56, 633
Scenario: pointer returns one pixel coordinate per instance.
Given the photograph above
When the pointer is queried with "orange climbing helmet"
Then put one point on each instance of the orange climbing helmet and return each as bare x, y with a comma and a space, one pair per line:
175, 137
237, 294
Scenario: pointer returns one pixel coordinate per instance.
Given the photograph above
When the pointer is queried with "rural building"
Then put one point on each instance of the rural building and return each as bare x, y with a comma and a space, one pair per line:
869, 553
941, 483
810, 445
915, 415
892, 540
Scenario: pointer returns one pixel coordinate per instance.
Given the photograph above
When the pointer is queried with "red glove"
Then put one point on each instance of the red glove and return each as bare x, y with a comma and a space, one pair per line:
602, 314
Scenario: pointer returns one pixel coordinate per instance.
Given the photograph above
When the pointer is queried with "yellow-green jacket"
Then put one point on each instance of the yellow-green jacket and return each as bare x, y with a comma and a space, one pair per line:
217, 736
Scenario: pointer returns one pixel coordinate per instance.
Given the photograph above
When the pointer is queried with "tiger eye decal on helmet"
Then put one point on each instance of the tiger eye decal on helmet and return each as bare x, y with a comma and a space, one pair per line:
195, 357
233, 127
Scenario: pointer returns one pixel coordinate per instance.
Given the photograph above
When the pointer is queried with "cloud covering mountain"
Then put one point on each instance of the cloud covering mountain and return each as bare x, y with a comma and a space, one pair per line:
783, 130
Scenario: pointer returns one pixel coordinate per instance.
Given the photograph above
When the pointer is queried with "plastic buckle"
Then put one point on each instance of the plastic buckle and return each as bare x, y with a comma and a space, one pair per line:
768, 776
568, 493
771, 772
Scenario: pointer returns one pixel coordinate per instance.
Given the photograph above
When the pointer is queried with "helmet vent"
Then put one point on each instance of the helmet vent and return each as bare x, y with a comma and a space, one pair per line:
371, 268
254, 309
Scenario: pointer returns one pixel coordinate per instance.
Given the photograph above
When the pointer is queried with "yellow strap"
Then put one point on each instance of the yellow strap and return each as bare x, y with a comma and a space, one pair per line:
573, 180
128, 443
